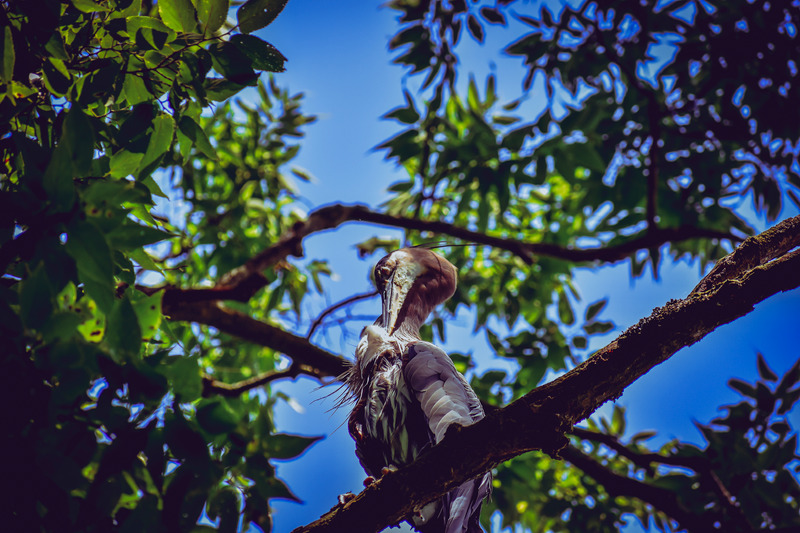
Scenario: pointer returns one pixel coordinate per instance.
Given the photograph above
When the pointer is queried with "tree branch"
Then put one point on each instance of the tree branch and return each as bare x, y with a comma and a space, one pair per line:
243, 282
539, 419
212, 386
700, 465
307, 358
336, 306
664, 500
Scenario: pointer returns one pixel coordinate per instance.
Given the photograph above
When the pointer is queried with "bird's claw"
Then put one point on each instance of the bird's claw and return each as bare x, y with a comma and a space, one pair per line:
369, 480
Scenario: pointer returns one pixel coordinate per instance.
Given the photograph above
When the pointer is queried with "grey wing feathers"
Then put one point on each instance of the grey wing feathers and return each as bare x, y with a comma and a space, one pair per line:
464, 503
446, 398
443, 393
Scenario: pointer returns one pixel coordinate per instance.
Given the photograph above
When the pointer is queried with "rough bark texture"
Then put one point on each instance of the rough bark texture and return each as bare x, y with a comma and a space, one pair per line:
539, 420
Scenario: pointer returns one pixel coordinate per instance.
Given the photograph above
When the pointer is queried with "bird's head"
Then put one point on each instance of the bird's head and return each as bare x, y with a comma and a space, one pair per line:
412, 281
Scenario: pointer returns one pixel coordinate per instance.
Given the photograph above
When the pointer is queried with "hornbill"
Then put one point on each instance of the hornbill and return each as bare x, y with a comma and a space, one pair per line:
407, 391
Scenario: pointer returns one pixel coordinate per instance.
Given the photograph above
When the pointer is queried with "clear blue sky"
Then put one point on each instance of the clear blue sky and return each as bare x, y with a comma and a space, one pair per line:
338, 57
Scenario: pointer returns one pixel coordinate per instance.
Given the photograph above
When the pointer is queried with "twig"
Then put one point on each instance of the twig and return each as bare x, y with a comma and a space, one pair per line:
212, 386
336, 306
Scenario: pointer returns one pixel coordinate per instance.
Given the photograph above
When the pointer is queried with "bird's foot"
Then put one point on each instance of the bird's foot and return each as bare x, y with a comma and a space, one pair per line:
386, 469
369, 480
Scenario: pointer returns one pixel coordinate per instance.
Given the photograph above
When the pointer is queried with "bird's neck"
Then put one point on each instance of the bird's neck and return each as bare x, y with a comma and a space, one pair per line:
408, 330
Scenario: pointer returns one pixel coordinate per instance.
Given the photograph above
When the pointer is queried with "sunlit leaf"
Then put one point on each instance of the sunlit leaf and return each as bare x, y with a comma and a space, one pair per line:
255, 14
178, 15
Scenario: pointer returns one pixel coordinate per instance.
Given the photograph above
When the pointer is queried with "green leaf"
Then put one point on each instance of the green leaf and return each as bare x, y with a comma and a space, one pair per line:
216, 417
134, 91
88, 246
195, 133
256, 14
153, 187
262, 54
600, 327
565, 313
123, 333
7, 66
618, 420
224, 505
148, 313
124, 163
35, 299
763, 369
93, 326
89, 6
184, 375
285, 446
130, 235
178, 15
154, 32
56, 77
742, 387
231, 62
642, 436
77, 138
144, 260
594, 309
212, 14
218, 89
57, 180
55, 46
159, 143
61, 325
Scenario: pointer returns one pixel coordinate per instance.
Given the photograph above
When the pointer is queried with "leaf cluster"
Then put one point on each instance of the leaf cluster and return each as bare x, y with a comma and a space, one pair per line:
98, 99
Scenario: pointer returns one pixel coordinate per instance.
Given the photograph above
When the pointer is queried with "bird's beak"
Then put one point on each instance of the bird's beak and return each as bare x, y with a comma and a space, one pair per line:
394, 296
386, 303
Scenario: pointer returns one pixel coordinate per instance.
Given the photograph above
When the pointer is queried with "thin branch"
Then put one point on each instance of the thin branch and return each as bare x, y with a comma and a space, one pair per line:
615, 484
243, 282
539, 420
700, 465
213, 387
336, 306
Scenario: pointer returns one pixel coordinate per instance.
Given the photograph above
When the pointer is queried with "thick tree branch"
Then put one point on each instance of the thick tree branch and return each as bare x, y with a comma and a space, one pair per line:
539, 419
307, 358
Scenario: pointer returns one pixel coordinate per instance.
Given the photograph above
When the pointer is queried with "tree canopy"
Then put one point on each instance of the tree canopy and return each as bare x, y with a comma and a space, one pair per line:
143, 337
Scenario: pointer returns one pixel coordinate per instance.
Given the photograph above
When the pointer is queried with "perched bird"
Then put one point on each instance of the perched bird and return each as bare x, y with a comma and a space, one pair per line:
407, 391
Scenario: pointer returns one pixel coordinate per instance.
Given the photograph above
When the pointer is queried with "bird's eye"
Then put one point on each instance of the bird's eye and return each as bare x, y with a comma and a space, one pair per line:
382, 272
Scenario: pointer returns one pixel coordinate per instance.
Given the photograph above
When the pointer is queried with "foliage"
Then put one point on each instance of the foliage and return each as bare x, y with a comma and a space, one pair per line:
637, 131
111, 433
742, 476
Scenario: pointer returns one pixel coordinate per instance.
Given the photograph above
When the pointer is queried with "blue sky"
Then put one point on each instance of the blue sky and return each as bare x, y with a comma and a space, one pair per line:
338, 57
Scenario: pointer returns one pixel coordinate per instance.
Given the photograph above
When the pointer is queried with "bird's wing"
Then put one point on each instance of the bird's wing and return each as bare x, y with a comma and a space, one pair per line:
446, 398
442, 392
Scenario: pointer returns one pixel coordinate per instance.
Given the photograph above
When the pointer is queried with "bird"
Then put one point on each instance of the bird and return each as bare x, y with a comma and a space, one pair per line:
407, 392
